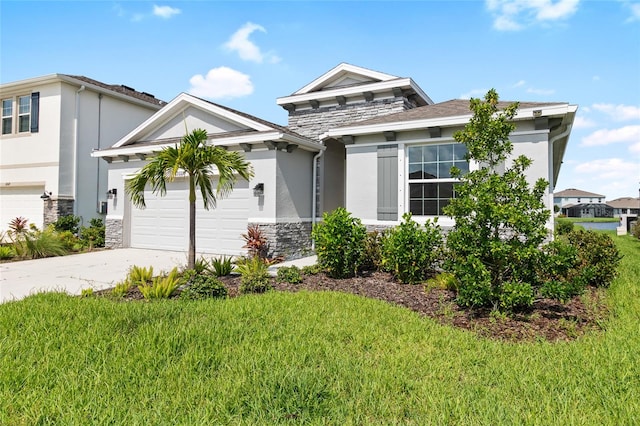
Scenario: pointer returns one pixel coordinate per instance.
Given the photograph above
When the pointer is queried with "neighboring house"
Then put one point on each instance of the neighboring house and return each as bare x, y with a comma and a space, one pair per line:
625, 206
50, 125
574, 196
587, 210
372, 142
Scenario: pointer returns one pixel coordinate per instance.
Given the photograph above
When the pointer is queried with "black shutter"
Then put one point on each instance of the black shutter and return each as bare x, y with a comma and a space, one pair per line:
35, 111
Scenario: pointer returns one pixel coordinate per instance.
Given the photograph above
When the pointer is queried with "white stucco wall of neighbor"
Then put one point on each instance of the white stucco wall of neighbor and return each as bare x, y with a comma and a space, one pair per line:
293, 177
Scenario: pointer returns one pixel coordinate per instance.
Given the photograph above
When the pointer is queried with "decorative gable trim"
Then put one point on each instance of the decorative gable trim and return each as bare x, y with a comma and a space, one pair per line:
342, 71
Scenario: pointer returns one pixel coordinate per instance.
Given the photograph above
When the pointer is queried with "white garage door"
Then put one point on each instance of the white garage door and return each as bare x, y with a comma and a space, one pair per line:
164, 223
22, 201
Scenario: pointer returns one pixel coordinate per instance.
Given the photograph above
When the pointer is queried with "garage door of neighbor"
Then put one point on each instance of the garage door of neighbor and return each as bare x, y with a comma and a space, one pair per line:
22, 201
164, 223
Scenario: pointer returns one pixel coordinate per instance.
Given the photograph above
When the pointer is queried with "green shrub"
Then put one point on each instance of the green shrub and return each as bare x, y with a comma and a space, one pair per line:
410, 251
563, 227
201, 265
442, 281
474, 287
515, 295
138, 274
121, 289
254, 275
69, 240
7, 252
161, 287
372, 260
340, 243
39, 244
93, 235
87, 292
635, 230
289, 274
67, 223
311, 269
598, 256
204, 287
221, 266
560, 272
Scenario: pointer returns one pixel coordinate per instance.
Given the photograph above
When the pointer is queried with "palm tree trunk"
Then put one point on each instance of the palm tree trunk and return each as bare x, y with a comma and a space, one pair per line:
192, 223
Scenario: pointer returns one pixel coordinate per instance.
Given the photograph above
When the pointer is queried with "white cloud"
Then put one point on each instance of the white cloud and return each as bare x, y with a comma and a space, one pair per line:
165, 12
221, 82
608, 169
519, 84
606, 137
634, 9
474, 93
635, 148
582, 123
246, 49
619, 112
544, 92
514, 15
595, 78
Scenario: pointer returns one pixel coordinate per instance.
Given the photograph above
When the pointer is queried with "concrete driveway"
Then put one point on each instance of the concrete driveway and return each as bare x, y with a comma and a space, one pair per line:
97, 270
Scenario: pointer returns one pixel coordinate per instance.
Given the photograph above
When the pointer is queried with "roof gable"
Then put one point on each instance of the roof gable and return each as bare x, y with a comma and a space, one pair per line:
344, 75
187, 110
573, 193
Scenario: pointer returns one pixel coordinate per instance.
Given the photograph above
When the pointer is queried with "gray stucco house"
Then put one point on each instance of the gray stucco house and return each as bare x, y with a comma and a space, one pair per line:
369, 141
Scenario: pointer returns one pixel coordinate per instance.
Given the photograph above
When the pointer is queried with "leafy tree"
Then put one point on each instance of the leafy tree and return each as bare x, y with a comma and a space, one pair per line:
500, 218
197, 159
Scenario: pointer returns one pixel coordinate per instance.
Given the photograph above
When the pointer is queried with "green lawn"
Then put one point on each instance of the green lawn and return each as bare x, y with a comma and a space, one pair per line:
590, 219
313, 358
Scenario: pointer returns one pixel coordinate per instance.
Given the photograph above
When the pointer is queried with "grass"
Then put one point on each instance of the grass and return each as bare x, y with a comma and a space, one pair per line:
590, 219
313, 358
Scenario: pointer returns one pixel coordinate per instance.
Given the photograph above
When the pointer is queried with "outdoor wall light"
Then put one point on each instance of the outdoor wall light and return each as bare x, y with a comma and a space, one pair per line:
113, 192
46, 195
258, 190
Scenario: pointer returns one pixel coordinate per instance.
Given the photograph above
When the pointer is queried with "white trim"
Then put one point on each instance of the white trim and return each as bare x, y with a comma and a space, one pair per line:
342, 91
347, 69
403, 195
181, 103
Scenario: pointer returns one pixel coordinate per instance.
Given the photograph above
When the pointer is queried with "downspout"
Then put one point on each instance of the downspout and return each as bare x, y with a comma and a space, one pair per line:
552, 184
76, 136
97, 159
314, 191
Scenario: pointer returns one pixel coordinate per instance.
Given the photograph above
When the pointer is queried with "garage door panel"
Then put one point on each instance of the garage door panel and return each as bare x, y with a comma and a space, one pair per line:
164, 224
21, 201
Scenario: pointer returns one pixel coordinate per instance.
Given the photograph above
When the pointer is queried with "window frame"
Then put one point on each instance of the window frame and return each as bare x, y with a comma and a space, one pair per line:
20, 115
408, 181
7, 117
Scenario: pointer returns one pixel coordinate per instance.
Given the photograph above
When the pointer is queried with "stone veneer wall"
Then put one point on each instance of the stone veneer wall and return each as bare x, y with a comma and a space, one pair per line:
55, 208
291, 240
113, 233
314, 122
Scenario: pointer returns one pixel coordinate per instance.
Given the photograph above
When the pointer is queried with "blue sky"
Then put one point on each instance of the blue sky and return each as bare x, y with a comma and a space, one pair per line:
246, 54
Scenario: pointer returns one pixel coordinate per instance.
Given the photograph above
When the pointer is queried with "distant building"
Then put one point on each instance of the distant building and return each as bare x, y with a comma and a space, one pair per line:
571, 197
625, 205
587, 210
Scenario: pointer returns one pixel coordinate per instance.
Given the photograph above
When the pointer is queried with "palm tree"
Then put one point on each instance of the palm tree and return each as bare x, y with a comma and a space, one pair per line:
197, 159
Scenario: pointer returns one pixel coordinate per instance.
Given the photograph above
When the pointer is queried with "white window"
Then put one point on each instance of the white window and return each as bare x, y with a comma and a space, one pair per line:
7, 116
431, 186
24, 114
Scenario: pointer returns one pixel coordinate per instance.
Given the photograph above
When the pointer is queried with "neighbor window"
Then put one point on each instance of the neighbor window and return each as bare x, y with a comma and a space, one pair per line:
431, 186
7, 116
20, 114
24, 114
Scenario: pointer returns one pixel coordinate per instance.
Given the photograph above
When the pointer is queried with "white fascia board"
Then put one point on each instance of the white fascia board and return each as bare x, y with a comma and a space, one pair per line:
179, 104
36, 81
343, 91
230, 141
344, 67
524, 114
420, 92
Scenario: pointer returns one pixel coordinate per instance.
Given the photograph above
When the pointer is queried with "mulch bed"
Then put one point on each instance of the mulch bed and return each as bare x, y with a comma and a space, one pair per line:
546, 319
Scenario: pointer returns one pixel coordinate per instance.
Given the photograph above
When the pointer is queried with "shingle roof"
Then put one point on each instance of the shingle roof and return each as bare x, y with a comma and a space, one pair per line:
122, 89
572, 192
625, 203
451, 108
